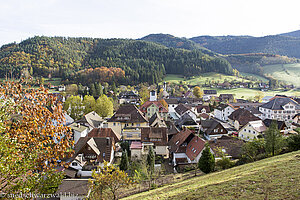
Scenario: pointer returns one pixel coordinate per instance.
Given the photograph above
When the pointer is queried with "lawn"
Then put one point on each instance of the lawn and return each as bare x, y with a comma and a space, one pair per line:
289, 73
273, 178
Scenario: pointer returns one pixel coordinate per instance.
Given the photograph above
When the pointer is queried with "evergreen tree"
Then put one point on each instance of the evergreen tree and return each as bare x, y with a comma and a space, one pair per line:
273, 139
124, 165
151, 159
207, 161
93, 90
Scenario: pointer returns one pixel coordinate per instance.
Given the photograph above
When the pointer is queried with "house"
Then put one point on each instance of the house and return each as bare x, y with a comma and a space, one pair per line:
255, 111
229, 145
172, 104
129, 97
95, 150
157, 121
136, 149
222, 111
280, 108
103, 133
78, 131
296, 118
241, 117
172, 129
252, 130
91, 120
189, 94
281, 125
226, 98
182, 109
212, 129
61, 88
78, 189
203, 109
246, 105
186, 121
127, 116
186, 148
207, 94
158, 137
149, 108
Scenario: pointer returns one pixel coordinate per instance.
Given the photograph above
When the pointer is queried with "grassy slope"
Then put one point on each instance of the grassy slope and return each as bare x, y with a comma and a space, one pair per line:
255, 76
272, 178
289, 73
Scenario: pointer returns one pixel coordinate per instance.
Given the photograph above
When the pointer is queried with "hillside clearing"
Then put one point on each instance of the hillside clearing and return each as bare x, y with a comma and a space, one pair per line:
288, 73
273, 178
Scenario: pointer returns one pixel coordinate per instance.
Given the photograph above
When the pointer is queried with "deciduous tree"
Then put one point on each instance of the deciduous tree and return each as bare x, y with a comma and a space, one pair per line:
273, 139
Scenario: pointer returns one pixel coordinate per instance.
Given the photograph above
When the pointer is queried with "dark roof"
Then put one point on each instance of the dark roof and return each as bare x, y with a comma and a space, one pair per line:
243, 116
232, 145
279, 102
74, 186
180, 109
171, 128
159, 121
149, 133
194, 147
210, 91
297, 115
104, 132
172, 101
254, 110
186, 119
210, 125
128, 114
222, 106
179, 138
281, 124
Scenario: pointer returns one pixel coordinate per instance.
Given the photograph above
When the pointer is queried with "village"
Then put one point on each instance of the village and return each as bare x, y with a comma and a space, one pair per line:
177, 128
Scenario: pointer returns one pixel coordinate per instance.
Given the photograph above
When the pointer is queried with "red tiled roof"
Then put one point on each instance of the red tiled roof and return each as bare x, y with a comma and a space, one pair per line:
161, 108
194, 147
136, 145
178, 139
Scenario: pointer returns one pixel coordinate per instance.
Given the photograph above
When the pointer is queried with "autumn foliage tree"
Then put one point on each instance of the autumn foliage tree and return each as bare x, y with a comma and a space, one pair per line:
197, 92
107, 181
35, 132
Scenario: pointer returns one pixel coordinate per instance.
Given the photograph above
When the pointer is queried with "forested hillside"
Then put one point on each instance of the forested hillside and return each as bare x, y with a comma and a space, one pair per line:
140, 60
276, 44
176, 42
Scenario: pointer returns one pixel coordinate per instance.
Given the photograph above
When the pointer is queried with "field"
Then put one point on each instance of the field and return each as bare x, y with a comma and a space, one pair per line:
244, 93
289, 73
254, 76
273, 178
199, 80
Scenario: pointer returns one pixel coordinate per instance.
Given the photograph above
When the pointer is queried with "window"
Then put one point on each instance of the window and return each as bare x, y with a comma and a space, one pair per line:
104, 155
138, 124
245, 130
177, 142
129, 135
74, 164
132, 124
249, 131
114, 124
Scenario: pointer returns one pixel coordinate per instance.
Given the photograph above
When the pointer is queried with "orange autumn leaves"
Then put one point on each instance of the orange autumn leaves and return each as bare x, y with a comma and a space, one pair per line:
36, 124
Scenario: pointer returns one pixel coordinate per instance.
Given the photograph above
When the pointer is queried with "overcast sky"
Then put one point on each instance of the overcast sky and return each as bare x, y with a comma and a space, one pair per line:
20, 19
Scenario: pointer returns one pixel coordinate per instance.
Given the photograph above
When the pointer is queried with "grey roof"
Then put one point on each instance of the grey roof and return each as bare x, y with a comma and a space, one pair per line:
128, 114
92, 119
221, 106
278, 103
181, 108
209, 125
210, 91
186, 119
78, 127
172, 101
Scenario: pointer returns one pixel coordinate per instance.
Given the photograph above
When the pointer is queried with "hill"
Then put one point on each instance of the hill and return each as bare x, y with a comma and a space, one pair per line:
175, 42
142, 61
273, 178
273, 44
292, 34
